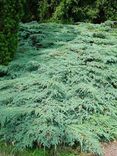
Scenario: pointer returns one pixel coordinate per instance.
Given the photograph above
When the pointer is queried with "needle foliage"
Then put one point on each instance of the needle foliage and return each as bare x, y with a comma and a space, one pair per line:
61, 87
10, 15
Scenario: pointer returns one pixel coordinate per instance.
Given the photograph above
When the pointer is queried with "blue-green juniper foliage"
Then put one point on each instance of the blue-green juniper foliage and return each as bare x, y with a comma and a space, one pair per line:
61, 87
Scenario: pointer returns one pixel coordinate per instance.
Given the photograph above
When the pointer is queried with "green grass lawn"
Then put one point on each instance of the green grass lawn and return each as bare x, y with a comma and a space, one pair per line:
8, 150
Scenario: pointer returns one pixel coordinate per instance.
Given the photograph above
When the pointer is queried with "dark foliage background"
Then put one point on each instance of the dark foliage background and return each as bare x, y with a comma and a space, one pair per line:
96, 11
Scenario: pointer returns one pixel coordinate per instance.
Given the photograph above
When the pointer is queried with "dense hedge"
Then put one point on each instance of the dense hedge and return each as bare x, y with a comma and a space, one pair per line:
10, 14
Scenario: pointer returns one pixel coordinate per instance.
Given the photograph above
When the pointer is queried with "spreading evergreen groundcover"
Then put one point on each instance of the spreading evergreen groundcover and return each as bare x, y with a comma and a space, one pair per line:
61, 87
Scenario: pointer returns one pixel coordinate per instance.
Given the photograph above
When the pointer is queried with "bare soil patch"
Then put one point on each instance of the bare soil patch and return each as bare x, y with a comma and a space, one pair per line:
110, 149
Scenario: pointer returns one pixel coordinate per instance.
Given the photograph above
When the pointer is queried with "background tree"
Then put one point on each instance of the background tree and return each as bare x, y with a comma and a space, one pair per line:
30, 10
10, 15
